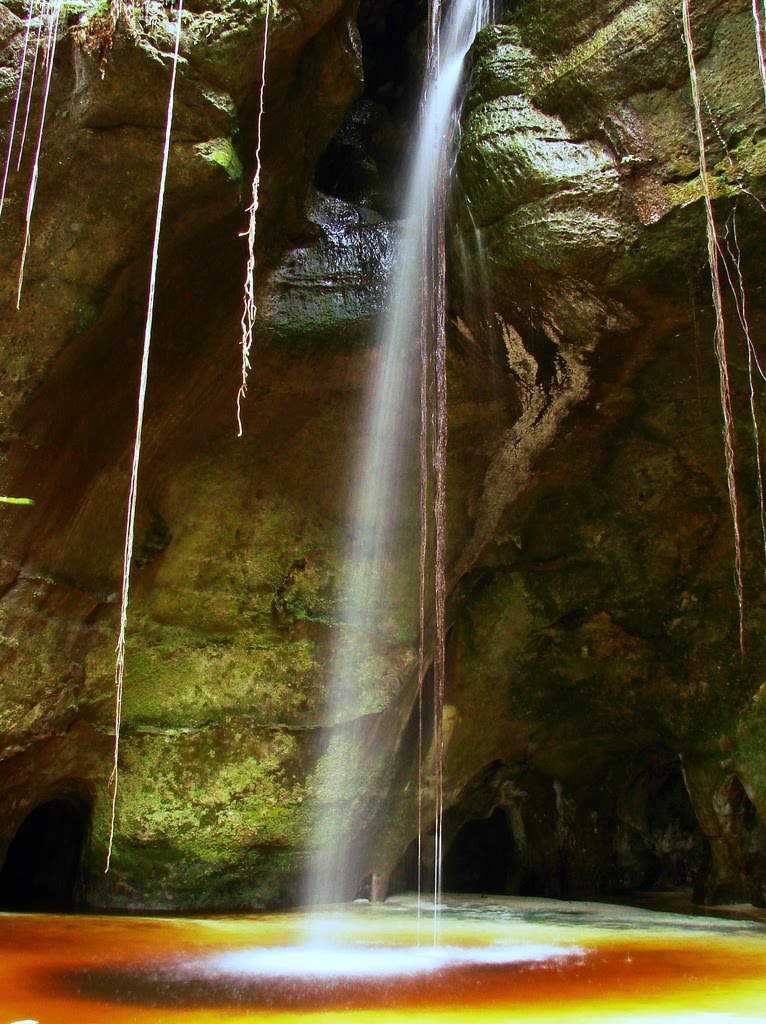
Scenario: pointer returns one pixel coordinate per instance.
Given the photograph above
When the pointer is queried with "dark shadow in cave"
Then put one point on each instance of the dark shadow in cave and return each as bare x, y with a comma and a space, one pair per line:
750, 833
364, 162
480, 856
632, 831
663, 846
42, 869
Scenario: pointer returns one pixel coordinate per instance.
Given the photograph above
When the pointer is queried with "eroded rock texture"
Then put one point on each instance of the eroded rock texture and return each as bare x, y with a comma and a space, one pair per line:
604, 732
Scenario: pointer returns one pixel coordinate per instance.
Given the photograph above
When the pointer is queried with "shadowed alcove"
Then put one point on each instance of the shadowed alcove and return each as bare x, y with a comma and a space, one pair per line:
480, 856
43, 865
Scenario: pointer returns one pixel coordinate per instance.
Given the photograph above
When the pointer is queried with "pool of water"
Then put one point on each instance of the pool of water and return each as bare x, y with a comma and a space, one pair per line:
499, 960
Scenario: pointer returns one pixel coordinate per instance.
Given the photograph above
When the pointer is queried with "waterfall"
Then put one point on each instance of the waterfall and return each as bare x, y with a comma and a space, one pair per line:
410, 357
758, 26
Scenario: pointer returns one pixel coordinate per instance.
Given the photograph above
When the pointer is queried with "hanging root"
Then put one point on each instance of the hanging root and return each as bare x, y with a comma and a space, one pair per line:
713, 245
119, 670
31, 86
753, 363
433, 320
738, 289
250, 311
16, 102
96, 36
53, 13
423, 451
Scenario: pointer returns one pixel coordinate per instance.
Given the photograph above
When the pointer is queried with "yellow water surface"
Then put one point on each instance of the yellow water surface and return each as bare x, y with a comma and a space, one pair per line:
498, 960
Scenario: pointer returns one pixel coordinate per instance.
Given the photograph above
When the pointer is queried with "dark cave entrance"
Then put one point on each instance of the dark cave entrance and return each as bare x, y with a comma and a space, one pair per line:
480, 856
42, 869
365, 161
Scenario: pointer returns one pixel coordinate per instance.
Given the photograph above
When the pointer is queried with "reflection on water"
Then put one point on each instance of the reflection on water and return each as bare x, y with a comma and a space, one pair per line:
499, 960
341, 962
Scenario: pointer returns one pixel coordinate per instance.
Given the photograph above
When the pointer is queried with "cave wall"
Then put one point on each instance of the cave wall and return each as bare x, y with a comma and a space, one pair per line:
584, 613
225, 641
598, 702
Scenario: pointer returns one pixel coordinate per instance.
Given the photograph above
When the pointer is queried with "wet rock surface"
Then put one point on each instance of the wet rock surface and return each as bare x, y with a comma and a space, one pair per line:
606, 624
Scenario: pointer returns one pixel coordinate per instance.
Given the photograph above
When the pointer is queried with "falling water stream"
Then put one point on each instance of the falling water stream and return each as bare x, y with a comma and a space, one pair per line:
759, 40
415, 311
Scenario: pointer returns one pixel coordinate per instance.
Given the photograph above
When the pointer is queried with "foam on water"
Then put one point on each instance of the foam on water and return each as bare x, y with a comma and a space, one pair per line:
317, 962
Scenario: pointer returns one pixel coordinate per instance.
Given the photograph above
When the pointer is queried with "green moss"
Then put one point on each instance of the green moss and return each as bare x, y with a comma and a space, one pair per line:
492, 634
211, 791
687, 192
44, 678
235, 560
750, 736
187, 679
92, 8
513, 154
205, 819
87, 315
678, 239
209, 817
222, 153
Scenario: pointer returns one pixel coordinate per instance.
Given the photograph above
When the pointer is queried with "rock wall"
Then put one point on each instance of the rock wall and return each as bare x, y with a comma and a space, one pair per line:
604, 731
596, 622
236, 541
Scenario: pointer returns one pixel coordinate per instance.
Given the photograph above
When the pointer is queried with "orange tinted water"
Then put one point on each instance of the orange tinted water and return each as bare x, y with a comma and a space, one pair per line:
578, 962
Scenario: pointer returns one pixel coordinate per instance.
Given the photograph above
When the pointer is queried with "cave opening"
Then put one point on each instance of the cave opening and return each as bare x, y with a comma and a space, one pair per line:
43, 866
364, 162
480, 856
